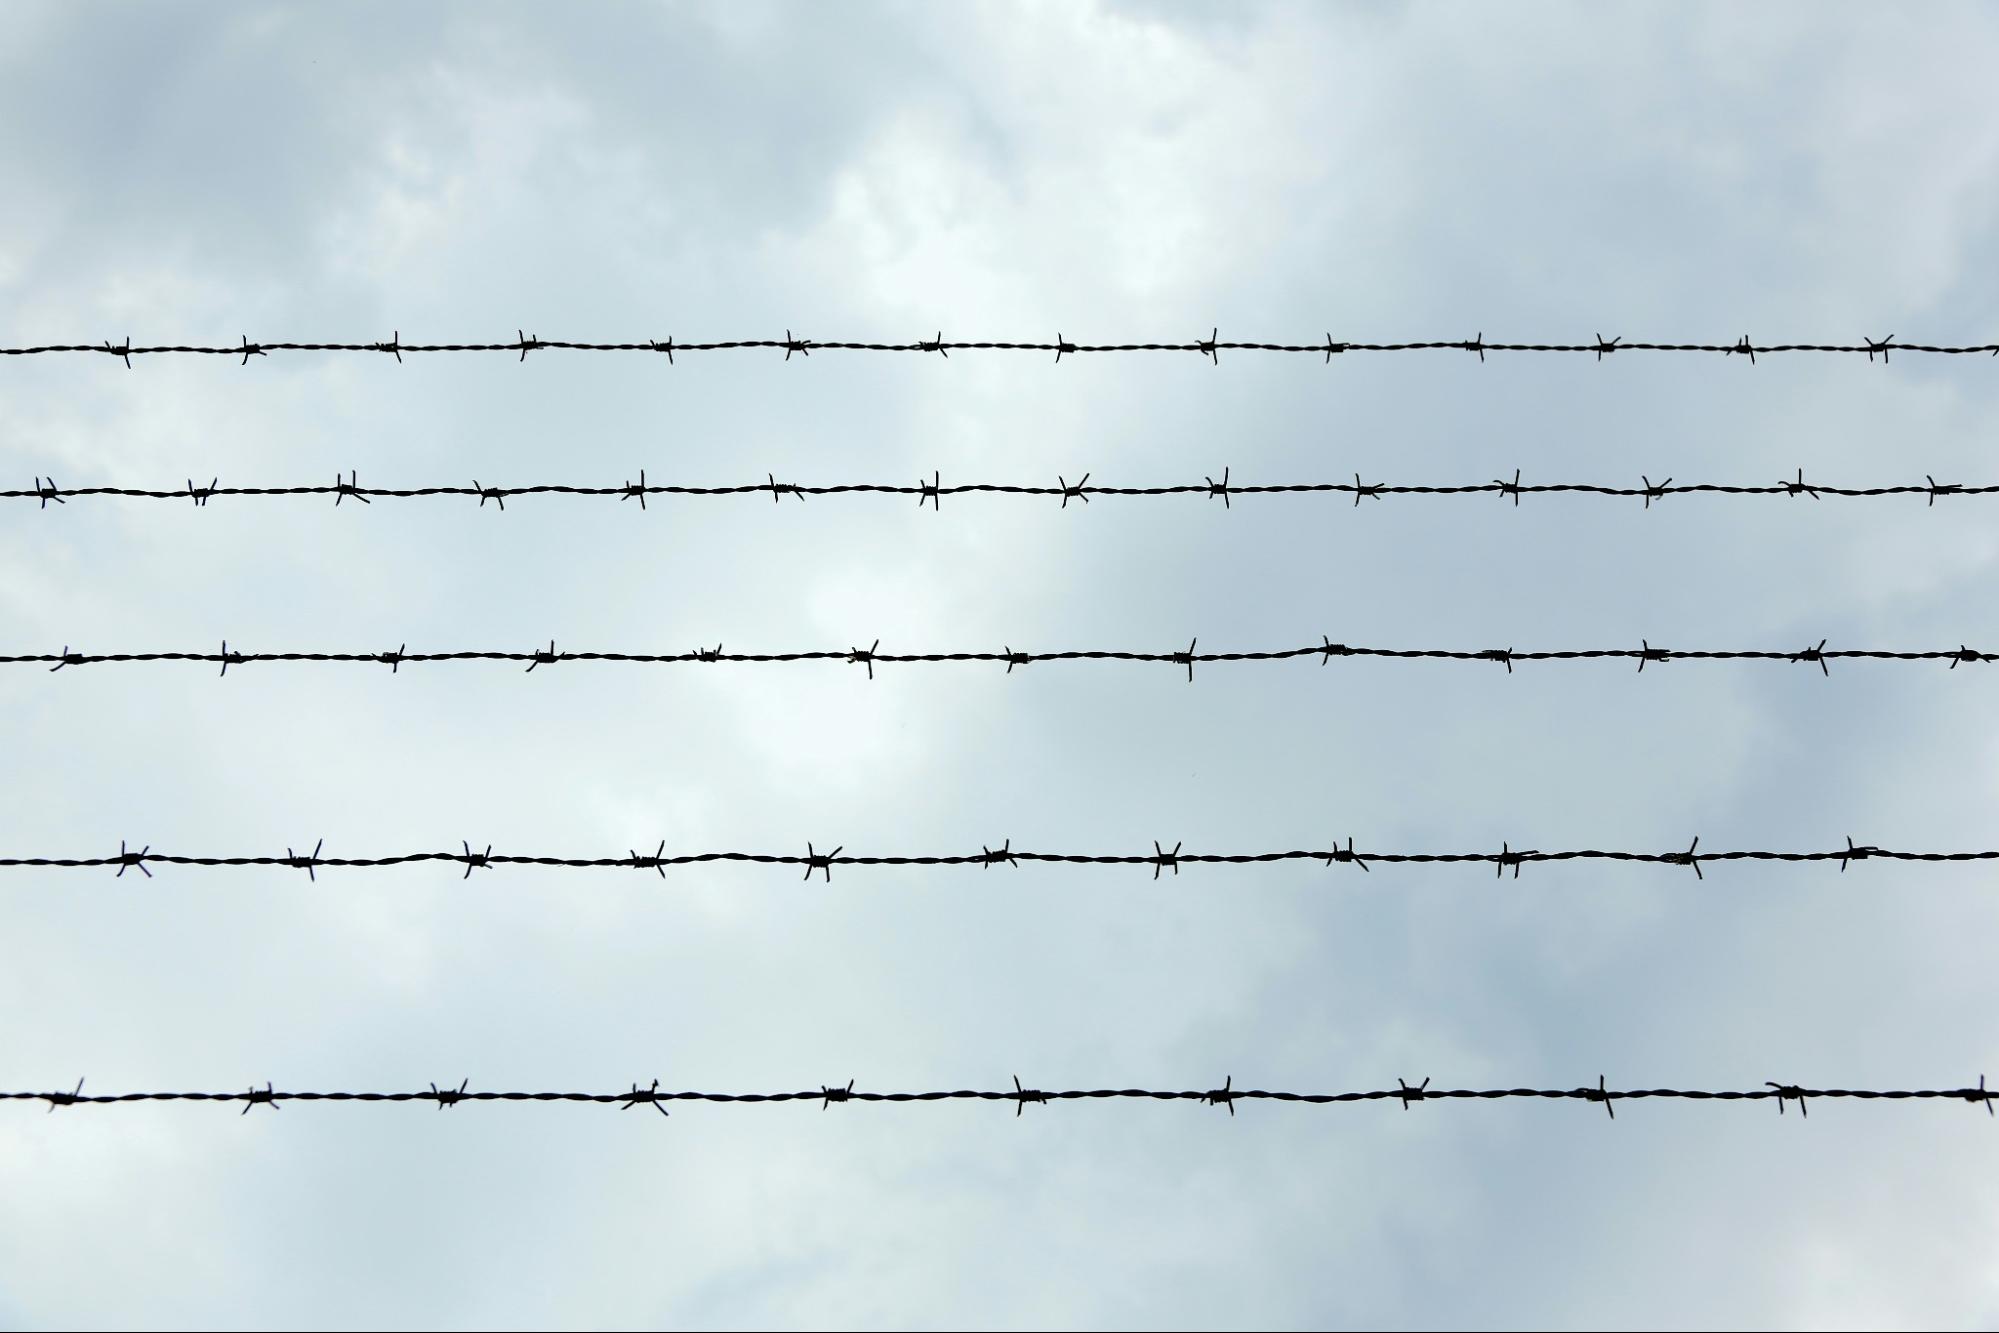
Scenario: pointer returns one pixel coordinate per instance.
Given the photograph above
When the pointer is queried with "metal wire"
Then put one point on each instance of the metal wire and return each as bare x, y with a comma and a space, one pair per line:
1814, 655
827, 1094
1160, 859
46, 491
1209, 347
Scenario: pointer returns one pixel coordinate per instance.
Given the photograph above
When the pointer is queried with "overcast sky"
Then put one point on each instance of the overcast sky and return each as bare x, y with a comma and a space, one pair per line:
1111, 171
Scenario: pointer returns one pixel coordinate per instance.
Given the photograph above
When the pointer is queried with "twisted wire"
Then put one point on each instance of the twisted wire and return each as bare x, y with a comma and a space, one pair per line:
45, 491
1159, 859
827, 1094
1208, 348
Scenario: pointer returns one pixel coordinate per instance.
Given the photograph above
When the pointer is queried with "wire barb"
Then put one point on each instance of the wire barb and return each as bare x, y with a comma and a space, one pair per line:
1162, 859
475, 860
1371, 492
343, 489
1854, 853
1021, 1096
657, 861
666, 347
637, 492
449, 1096
802, 346
68, 658
1014, 659
930, 490
1881, 347
1970, 1096
1948, 488
1647, 653
1814, 655
1600, 1093
1798, 487
1222, 1096
864, 657
526, 344
1965, 654
200, 494
124, 353
497, 494
305, 863
56, 1099
1508, 857
1476, 345
1654, 492
1511, 488
127, 860
1347, 855
1186, 659
394, 345
829, 1094
393, 660
230, 659
1690, 857
1062, 345
1076, 492
935, 345
1408, 1094
1789, 1092
778, 488
1744, 348
1603, 348
46, 491
822, 864
643, 1097
1219, 488
1206, 347
544, 656
1333, 349
265, 1096
250, 349
1004, 856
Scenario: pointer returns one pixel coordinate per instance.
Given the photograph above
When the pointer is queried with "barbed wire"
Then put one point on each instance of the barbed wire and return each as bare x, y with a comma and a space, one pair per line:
828, 1094
1326, 650
46, 491
1209, 347
814, 861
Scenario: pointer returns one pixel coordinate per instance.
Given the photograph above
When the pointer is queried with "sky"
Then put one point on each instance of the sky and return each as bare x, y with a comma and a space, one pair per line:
1815, 172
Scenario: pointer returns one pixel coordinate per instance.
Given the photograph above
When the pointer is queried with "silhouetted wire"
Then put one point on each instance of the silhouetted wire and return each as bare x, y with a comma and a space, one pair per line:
791, 345
827, 1094
1326, 650
1160, 859
47, 492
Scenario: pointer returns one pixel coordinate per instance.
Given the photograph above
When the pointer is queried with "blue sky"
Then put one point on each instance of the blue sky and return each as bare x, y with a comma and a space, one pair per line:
881, 172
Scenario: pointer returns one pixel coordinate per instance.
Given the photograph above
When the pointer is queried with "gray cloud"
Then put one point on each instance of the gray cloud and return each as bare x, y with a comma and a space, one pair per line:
1110, 172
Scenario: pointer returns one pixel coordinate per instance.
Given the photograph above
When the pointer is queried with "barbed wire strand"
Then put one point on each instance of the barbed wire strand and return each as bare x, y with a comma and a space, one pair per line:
828, 1094
1326, 650
46, 491
1159, 859
791, 344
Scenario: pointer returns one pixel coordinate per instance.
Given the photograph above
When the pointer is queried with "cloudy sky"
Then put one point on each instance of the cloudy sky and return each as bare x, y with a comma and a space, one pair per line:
1111, 171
